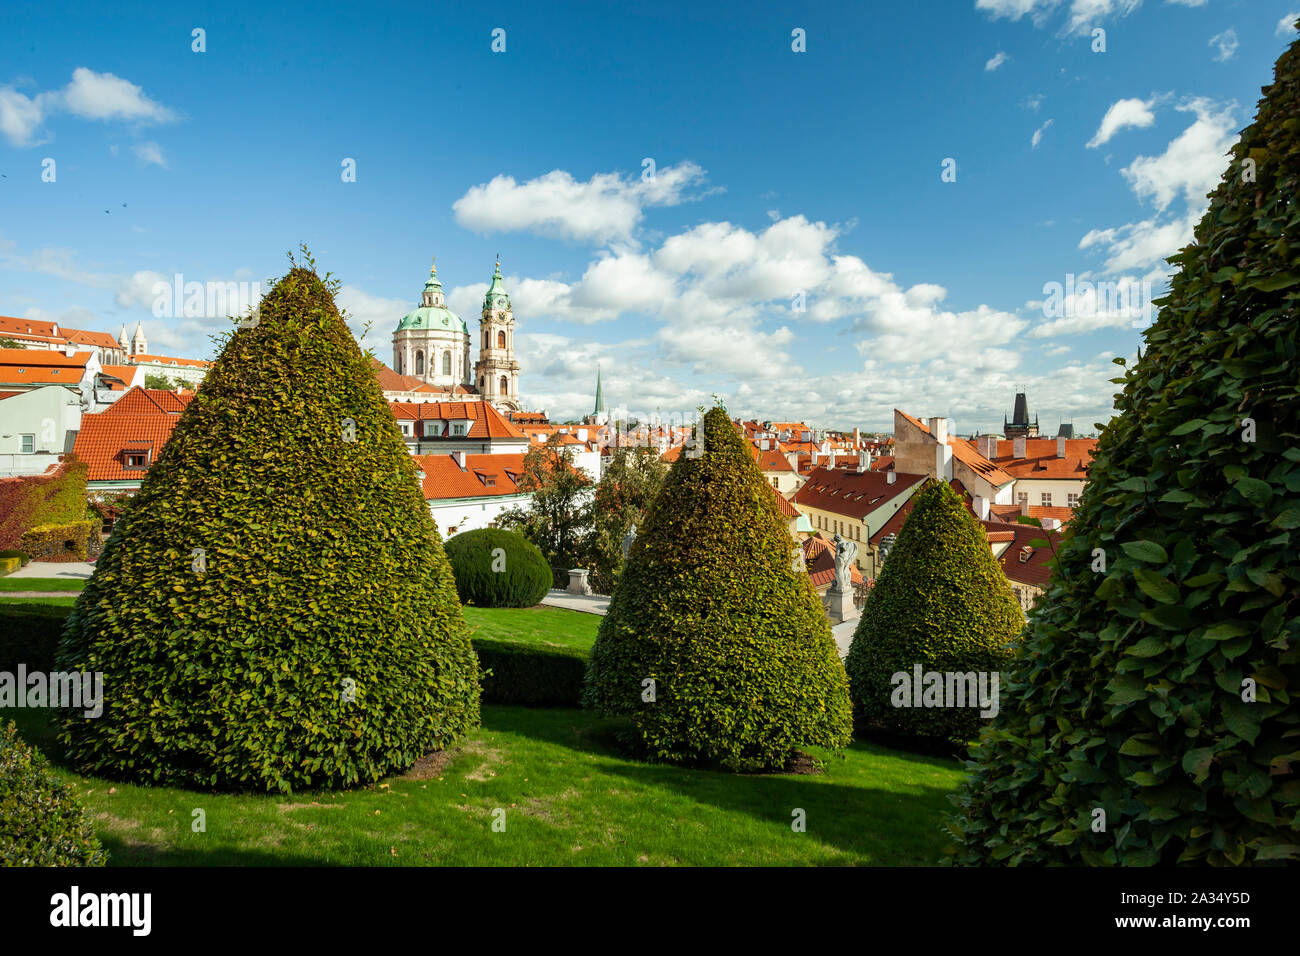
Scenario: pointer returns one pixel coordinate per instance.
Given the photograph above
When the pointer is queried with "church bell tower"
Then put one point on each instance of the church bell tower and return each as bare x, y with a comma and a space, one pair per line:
496, 373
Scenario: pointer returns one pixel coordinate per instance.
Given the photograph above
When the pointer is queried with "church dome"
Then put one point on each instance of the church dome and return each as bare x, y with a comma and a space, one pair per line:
433, 313
432, 317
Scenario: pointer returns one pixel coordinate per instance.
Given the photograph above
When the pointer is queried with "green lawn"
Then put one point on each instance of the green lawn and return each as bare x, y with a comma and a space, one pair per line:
58, 601
568, 796
550, 626
41, 584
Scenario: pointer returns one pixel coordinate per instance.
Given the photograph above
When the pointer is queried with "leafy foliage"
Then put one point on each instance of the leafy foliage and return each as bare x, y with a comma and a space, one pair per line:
629, 482
317, 640
73, 541
41, 822
712, 608
498, 568
30, 500
558, 516
531, 674
940, 601
29, 634
1131, 693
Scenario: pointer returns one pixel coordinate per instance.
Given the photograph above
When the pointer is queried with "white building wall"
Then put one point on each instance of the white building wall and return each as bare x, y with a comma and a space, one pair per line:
470, 514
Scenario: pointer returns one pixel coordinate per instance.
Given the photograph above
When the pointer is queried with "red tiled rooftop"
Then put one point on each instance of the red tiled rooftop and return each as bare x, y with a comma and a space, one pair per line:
851, 493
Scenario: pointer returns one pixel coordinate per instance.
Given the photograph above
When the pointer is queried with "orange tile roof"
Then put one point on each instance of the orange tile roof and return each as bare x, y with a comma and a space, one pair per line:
486, 421
139, 419
50, 358
770, 460
12, 325
965, 452
484, 476
851, 493
1035, 570
1062, 514
98, 339
1040, 459
169, 360
783, 504
819, 557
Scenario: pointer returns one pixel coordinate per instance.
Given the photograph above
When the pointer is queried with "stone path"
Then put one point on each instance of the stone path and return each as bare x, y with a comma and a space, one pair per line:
72, 570
599, 604
37, 594
586, 603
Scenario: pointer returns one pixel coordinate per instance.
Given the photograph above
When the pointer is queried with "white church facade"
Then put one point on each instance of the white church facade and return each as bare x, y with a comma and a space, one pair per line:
433, 345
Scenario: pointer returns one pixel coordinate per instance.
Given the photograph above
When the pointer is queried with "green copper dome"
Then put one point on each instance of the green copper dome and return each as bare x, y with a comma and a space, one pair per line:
432, 317
496, 297
433, 313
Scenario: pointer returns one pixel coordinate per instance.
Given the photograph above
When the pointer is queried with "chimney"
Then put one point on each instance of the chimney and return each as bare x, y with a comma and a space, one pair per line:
582, 434
857, 438
460, 460
1060, 447
864, 460
890, 477
1018, 447
1051, 524
939, 429
988, 446
813, 460
981, 506
69, 349
762, 445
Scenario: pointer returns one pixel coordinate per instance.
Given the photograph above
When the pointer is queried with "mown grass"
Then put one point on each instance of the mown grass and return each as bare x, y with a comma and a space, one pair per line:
41, 584
550, 626
566, 796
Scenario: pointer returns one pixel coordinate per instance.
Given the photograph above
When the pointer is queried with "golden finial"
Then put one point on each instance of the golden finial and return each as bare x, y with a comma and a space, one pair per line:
433, 264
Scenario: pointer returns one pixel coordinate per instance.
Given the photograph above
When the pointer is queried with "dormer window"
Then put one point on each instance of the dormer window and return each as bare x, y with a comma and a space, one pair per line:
489, 481
137, 460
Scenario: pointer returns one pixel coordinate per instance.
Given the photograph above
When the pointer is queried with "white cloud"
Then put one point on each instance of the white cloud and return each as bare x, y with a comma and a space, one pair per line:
1083, 14
150, 153
103, 96
1034, 102
1188, 3
1193, 162
1286, 26
1225, 45
89, 95
1038, 134
1123, 114
381, 314
607, 206
20, 116
996, 61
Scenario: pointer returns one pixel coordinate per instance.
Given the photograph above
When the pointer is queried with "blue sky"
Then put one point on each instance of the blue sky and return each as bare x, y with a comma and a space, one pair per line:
775, 172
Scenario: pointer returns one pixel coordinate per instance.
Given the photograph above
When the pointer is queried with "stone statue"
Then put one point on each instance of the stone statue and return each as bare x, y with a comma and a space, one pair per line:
845, 553
627, 541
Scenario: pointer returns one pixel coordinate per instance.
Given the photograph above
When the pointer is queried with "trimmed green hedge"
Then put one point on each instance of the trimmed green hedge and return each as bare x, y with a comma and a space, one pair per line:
30, 500
498, 568
274, 611
41, 822
29, 634
941, 601
529, 674
1157, 677
715, 608
73, 541
9, 565
521, 673
22, 556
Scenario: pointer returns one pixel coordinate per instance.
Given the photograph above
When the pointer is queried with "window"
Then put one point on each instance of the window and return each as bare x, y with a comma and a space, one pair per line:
501, 340
446, 363
406, 429
400, 365
505, 385
774, 482
419, 363
458, 430
29, 444
137, 460
1023, 499
1047, 499
1072, 500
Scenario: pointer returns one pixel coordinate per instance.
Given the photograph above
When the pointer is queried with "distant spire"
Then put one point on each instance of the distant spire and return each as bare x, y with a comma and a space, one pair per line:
600, 398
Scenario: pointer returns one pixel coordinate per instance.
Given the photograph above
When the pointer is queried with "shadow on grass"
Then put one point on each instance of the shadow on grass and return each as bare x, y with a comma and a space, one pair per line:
887, 814
125, 853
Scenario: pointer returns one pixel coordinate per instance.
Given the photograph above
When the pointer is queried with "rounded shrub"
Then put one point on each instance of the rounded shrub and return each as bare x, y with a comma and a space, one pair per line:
275, 610
712, 609
41, 822
1157, 676
942, 602
498, 568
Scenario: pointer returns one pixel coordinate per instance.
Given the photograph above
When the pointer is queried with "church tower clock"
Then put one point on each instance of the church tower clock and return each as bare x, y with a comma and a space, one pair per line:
496, 373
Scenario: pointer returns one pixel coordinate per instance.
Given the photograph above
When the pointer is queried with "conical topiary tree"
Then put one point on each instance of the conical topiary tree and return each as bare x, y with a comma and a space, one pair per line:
711, 609
941, 602
274, 610
1152, 719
